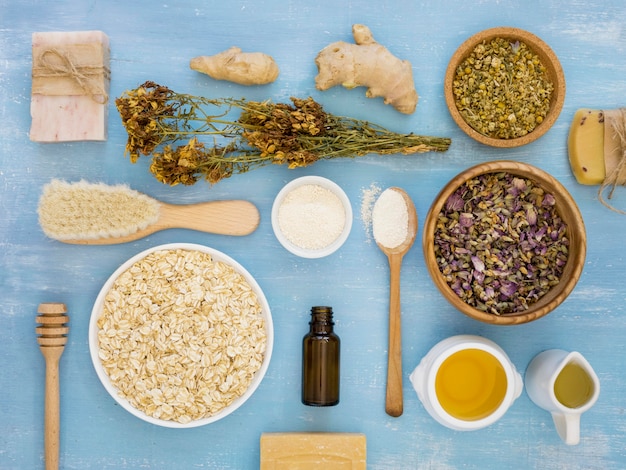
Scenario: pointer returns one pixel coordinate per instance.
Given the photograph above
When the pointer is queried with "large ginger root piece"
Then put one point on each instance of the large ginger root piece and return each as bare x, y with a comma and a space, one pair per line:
369, 64
244, 68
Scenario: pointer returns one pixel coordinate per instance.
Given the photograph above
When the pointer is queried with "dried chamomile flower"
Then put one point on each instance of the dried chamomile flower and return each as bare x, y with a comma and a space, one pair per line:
502, 89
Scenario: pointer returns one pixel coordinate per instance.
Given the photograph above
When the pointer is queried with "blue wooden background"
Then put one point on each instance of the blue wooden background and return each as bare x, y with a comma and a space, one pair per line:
154, 40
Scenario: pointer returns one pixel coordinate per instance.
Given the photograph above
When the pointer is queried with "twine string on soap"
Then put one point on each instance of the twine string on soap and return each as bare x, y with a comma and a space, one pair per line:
59, 64
618, 174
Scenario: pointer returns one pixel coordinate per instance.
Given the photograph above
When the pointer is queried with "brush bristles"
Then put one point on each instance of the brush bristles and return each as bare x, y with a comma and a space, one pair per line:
52, 329
88, 211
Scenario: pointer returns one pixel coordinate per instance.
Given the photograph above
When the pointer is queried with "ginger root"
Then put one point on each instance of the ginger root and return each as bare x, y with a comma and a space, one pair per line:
244, 68
369, 64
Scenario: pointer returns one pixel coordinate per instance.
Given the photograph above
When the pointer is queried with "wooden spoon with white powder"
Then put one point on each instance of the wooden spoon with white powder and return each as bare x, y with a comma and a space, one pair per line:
99, 214
394, 225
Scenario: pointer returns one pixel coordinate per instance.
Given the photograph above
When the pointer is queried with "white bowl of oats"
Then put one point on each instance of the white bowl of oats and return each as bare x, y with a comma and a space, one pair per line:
181, 335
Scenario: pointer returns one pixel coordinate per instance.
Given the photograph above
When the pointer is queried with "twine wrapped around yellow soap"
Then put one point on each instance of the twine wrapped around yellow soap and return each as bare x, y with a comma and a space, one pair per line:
73, 69
614, 154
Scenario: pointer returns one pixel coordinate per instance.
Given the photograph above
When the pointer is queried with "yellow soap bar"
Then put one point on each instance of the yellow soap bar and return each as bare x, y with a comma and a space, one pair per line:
313, 451
585, 146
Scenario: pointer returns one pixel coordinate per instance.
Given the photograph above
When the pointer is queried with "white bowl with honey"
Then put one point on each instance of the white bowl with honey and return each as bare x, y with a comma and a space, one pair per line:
466, 382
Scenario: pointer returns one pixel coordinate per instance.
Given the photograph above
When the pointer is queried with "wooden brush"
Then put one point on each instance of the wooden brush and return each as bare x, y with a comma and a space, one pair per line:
100, 214
52, 333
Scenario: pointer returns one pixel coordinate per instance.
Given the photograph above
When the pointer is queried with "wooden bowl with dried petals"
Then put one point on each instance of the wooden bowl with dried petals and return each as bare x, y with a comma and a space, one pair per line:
504, 242
504, 87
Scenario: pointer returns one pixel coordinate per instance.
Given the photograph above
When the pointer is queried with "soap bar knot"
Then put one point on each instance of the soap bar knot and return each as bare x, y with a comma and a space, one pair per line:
75, 69
614, 152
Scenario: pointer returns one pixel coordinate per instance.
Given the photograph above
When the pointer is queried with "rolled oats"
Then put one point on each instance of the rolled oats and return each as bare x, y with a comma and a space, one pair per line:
181, 336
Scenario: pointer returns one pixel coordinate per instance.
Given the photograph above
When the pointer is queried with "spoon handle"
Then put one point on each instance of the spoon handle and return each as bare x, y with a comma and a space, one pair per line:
394, 401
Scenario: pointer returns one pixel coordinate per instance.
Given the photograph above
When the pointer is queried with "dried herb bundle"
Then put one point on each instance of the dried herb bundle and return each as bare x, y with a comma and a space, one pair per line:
296, 134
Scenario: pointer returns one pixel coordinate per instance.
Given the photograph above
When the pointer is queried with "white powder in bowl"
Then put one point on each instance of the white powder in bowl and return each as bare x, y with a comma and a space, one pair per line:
311, 217
390, 219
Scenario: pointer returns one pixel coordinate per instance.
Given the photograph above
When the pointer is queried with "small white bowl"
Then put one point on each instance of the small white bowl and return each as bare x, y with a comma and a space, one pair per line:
305, 252
424, 377
94, 343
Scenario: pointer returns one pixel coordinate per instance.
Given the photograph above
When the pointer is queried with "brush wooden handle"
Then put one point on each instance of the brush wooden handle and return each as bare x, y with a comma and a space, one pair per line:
52, 337
227, 217
234, 217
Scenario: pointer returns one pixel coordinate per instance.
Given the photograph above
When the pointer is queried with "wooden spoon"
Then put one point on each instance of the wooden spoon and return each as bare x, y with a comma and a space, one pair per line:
52, 336
228, 217
393, 401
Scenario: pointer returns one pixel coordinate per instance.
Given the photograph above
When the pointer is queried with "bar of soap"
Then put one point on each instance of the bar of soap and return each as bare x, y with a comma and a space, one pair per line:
595, 144
70, 87
585, 146
313, 451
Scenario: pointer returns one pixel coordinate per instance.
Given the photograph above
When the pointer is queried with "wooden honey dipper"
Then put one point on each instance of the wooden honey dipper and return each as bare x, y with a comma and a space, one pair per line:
52, 333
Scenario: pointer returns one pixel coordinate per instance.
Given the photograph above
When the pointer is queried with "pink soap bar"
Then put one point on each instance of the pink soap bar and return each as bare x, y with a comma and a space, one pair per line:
71, 76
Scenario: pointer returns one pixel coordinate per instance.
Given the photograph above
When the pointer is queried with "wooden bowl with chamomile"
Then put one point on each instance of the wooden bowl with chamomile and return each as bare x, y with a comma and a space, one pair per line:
504, 87
504, 242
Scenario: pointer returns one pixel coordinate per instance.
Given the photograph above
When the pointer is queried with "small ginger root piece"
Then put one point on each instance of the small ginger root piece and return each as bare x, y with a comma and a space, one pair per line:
244, 68
369, 64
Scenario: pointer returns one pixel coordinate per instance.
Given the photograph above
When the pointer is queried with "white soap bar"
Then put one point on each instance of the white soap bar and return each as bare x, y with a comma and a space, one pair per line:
71, 76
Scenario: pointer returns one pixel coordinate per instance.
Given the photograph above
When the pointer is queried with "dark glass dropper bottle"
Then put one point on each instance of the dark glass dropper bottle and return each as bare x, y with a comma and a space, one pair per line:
320, 360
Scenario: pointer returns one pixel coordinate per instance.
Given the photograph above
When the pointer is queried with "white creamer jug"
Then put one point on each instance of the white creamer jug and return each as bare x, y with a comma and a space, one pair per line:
564, 384
466, 382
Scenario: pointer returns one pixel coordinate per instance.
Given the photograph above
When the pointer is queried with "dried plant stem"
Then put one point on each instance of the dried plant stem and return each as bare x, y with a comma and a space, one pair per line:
297, 134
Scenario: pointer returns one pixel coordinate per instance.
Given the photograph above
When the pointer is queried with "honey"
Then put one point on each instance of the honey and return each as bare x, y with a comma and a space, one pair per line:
573, 386
471, 384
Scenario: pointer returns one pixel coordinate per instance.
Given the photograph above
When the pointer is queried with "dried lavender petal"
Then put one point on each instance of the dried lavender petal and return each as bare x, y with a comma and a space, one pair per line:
479, 266
455, 203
